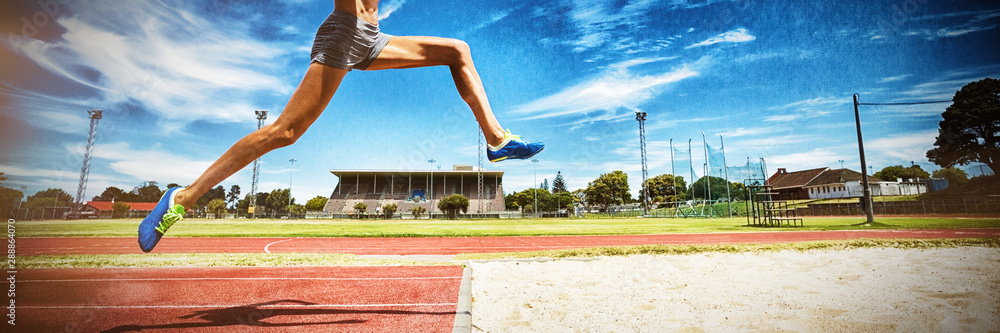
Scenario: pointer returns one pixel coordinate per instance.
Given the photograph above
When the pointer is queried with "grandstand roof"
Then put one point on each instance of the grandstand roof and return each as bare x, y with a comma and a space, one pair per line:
367, 173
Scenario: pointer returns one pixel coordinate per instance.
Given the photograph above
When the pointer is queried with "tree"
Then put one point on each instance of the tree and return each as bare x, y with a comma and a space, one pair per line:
452, 204
119, 209
661, 189
417, 210
52, 197
580, 197
609, 189
278, 199
389, 210
559, 184
316, 204
970, 129
115, 194
954, 175
890, 173
217, 206
509, 203
234, 196
360, 207
545, 184
2, 177
216, 193
718, 189
296, 210
9, 198
149, 192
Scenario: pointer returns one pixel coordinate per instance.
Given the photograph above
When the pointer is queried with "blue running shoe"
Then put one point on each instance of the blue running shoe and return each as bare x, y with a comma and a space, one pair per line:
513, 147
164, 215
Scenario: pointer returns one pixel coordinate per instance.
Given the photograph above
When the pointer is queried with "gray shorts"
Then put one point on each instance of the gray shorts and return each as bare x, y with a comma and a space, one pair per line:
347, 42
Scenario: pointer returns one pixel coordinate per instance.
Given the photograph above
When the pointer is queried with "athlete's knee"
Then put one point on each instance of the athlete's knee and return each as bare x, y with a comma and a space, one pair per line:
458, 51
281, 136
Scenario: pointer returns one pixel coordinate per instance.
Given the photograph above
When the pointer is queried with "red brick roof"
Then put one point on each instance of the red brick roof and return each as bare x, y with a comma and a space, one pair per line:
793, 179
815, 177
106, 205
839, 176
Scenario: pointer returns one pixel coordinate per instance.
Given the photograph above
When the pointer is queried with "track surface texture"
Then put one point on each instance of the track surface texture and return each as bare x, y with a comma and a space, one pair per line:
456, 245
239, 299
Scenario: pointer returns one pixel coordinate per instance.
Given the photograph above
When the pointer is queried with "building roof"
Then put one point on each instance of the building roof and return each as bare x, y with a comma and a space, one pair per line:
782, 179
814, 177
838, 176
416, 173
106, 205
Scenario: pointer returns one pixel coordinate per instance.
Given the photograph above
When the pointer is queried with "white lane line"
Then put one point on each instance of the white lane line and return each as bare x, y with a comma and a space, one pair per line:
269, 306
267, 247
247, 279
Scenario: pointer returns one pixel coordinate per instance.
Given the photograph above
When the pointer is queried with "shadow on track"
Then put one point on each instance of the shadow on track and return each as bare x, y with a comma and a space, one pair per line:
254, 314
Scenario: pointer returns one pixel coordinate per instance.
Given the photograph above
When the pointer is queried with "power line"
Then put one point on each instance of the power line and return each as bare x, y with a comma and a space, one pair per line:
906, 103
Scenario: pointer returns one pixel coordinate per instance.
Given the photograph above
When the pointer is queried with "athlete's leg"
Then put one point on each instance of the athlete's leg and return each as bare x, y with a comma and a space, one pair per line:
411, 52
306, 104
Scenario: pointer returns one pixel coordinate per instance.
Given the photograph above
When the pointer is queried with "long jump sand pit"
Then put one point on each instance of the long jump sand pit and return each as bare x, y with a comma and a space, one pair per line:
857, 290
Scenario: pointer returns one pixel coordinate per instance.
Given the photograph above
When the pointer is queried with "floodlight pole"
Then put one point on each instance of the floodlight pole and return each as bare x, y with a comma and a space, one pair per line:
640, 116
261, 116
431, 197
864, 174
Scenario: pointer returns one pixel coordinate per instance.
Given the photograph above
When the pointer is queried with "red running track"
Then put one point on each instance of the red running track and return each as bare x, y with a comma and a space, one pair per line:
456, 245
240, 299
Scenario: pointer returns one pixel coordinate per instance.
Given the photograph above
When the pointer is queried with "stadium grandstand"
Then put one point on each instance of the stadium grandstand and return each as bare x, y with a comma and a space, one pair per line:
406, 189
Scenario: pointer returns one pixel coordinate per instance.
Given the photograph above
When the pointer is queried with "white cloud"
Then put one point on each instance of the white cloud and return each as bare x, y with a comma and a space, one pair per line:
894, 78
735, 36
980, 21
174, 63
816, 158
150, 164
900, 148
493, 18
607, 94
389, 7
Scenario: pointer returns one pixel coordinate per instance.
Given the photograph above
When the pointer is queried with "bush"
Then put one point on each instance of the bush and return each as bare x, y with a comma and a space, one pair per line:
451, 204
119, 209
417, 210
389, 210
360, 207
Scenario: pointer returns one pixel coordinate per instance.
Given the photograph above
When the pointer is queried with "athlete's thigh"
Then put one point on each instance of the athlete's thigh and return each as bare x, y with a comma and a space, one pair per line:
417, 51
311, 96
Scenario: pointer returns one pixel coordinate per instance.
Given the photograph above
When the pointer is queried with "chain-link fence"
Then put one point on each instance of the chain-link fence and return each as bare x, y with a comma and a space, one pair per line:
971, 206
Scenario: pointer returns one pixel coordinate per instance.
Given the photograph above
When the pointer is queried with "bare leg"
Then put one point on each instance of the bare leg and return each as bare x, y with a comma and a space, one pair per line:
411, 52
307, 103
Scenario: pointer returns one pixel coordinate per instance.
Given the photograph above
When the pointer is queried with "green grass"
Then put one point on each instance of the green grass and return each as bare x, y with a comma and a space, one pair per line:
738, 248
335, 259
206, 260
470, 228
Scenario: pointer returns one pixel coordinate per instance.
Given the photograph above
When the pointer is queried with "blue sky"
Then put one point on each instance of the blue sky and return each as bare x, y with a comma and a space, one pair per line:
178, 81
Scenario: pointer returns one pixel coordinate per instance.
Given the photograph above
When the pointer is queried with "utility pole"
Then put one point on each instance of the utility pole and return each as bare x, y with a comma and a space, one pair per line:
869, 213
534, 168
95, 117
290, 171
261, 116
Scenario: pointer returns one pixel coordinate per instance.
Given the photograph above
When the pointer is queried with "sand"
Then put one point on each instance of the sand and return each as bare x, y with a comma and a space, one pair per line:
860, 290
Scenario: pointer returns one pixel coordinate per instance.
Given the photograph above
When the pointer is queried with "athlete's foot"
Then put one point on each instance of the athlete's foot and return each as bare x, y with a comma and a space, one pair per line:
513, 147
165, 214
